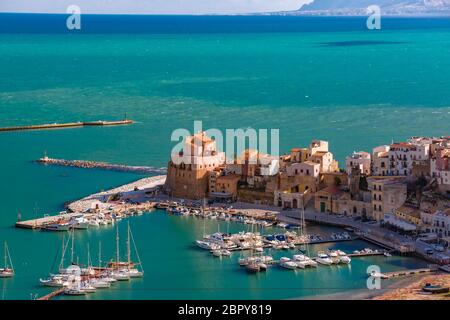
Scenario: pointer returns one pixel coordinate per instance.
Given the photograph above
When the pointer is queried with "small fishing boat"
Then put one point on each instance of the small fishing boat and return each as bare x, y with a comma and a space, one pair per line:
60, 226
7, 271
435, 289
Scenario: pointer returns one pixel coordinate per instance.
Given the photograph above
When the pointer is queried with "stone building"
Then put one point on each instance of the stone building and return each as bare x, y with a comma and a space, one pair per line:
188, 171
388, 194
360, 160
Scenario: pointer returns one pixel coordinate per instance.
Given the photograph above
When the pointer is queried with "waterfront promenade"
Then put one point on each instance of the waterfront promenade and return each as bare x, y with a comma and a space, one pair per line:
367, 231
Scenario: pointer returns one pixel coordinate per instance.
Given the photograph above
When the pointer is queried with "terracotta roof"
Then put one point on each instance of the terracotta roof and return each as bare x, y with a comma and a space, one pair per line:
409, 211
332, 190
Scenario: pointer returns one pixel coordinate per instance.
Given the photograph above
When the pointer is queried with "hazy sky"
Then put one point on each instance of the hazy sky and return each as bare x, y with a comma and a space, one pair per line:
152, 6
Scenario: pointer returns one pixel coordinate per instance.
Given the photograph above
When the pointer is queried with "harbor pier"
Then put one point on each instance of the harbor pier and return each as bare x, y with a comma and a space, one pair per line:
52, 294
67, 125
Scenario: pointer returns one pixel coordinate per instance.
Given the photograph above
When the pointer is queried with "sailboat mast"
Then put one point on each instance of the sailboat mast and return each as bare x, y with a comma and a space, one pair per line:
6, 266
88, 256
9, 257
99, 254
73, 241
61, 265
128, 245
117, 245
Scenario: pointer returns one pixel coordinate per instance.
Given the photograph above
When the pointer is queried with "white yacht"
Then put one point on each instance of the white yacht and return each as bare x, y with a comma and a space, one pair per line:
74, 291
87, 287
207, 245
334, 257
100, 283
324, 259
54, 282
288, 264
343, 257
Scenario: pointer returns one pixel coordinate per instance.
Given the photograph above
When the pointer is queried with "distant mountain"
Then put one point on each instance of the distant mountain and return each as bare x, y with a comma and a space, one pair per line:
388, 7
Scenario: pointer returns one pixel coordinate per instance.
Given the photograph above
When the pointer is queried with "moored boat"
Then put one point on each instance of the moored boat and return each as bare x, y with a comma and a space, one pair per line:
8, 270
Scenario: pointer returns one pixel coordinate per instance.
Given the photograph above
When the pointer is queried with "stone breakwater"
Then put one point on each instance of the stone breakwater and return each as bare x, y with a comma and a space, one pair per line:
67, 125
86, 164
136, 191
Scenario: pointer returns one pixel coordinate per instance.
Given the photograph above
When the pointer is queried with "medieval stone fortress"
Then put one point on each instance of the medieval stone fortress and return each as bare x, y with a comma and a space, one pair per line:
404, 184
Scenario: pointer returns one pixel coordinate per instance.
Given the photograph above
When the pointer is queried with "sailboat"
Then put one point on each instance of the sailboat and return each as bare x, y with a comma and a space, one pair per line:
7, 271
124, 270
132, 271
65, 245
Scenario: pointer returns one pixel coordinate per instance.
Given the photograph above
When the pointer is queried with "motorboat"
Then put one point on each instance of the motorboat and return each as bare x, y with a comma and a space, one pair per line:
262, 266
87, 287
79, 223
72, 291
253, 267
324, 259
207, 245
343, 257
288, 264
61, 226
334, 256
54, 282
100, 283
225, 252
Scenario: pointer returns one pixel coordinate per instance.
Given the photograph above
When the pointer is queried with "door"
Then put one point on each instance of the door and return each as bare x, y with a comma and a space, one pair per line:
322, 207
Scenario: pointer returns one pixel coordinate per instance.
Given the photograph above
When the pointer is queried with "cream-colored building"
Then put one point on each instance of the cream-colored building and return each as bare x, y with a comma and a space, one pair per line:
306, 168
388, 194
360, 160
380, 161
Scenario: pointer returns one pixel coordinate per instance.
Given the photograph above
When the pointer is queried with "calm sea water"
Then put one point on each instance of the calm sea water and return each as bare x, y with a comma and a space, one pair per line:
326, 78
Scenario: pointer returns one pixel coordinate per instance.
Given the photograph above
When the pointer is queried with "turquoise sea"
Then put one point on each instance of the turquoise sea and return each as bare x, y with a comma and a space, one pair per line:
326, 78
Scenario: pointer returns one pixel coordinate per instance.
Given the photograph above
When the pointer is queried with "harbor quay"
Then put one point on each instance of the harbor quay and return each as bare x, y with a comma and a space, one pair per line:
396, 197
274, 200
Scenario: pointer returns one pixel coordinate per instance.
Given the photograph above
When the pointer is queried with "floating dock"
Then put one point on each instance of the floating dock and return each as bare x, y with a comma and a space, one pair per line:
67, 125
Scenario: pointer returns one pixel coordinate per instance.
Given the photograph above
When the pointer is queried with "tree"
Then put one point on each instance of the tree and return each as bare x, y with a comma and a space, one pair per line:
363, 185
337, 181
